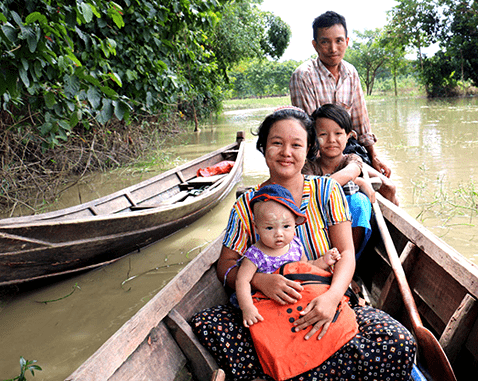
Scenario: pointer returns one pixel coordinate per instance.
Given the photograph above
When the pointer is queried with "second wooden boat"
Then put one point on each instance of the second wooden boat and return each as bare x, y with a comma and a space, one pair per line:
158, 344
104, 230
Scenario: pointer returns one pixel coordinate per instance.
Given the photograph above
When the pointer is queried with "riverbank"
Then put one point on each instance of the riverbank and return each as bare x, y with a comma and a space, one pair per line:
33, 178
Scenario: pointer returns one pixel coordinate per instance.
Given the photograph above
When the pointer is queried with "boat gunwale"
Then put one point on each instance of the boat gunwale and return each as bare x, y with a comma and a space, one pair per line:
455, 264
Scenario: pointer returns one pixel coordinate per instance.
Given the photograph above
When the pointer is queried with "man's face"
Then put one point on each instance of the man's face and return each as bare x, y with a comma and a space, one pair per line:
331, 45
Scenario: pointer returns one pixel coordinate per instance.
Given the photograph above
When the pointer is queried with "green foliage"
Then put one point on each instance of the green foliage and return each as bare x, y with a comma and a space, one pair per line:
439, 76
25, 366
459, 37
414, 23
261, 78
77, 63
277, 35
83, 61
368, 56
454, 25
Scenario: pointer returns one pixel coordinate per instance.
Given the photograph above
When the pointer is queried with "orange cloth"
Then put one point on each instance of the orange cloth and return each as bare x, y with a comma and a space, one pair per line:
284, 353
216, 169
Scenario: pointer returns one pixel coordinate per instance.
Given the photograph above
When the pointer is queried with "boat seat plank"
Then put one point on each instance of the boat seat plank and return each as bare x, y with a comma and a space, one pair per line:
180, 196
15, 242
459, 327
207, 180
197, 182
157, 352
390, 292
181, 176
202, 363
439, 295
117, 204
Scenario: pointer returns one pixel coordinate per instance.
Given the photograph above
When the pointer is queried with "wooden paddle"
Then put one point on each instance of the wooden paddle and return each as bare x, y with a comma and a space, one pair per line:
429, 349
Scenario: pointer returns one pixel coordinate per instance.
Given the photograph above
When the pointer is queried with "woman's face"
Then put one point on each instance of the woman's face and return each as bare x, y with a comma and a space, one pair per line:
286, 148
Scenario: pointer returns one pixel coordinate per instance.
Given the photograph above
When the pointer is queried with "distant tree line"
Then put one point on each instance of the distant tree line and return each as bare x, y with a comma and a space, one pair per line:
384, 54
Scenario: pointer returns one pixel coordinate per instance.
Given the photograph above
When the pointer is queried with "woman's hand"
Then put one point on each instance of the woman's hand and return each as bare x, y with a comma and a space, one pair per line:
320, 312
277, 288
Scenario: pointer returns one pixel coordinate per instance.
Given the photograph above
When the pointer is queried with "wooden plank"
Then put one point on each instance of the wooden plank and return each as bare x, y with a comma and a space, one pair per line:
130, 336
206, 180
157, 358
453, 263
459, 327
181, 176
202, 363
180, 196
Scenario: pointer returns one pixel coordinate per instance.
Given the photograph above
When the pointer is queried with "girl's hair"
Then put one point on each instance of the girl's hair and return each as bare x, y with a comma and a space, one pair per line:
336, 113
283, 113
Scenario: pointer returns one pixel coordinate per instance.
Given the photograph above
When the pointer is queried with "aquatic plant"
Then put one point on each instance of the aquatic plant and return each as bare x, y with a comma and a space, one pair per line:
25, 366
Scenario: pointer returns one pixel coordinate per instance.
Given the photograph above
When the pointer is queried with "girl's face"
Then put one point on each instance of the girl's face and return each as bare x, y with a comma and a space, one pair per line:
332, 138
286, 149
274, 223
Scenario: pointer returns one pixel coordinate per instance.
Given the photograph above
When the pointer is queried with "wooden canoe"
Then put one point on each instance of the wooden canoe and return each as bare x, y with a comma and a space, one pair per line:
106, 229
158, 344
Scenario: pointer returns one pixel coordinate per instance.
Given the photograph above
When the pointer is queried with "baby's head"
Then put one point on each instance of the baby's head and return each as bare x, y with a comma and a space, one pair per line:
277, 194
275, 216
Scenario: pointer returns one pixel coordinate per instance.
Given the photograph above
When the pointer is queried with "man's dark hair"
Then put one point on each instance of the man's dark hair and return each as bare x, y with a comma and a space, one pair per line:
328, 19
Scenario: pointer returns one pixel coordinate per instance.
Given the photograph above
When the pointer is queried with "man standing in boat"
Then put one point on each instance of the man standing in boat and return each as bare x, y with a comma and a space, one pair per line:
330, 79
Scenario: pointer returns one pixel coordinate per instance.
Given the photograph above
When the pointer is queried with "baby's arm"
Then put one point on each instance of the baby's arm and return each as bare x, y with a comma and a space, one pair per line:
328, 259
246, 271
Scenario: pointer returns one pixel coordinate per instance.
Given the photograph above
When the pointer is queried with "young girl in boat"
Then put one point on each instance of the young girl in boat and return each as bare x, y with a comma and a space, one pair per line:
275, 218
333, 126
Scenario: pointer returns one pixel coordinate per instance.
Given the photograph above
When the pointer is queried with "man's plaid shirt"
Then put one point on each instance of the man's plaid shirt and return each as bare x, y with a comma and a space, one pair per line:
312, 85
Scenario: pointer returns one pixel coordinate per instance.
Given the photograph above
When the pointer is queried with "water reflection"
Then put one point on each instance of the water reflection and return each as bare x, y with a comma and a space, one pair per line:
431, 147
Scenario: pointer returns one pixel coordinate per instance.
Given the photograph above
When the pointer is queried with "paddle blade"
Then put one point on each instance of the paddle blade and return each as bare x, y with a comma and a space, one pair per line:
432, 356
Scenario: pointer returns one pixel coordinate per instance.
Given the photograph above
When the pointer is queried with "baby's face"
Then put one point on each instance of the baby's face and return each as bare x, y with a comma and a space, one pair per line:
275, 224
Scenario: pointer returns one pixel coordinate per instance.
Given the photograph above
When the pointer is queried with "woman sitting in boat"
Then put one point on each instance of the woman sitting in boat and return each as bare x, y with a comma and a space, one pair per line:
383, 349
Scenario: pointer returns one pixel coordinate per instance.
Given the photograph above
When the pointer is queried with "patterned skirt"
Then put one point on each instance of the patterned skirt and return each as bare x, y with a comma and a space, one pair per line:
382, 350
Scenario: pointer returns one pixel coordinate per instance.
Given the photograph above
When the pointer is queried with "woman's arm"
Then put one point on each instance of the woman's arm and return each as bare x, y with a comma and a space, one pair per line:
227, 259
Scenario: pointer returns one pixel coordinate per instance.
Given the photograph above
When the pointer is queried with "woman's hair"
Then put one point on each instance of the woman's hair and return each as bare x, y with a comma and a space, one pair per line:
327, 20
283, 113
336, 113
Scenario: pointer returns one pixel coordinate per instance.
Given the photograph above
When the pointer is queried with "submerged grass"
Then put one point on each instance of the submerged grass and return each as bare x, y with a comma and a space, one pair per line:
453, 207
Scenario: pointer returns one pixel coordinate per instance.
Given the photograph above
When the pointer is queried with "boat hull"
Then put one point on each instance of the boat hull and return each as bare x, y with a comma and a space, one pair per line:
158, 343
107, 229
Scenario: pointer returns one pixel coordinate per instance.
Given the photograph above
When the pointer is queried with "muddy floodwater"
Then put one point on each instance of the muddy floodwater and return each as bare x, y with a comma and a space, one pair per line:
431, 146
